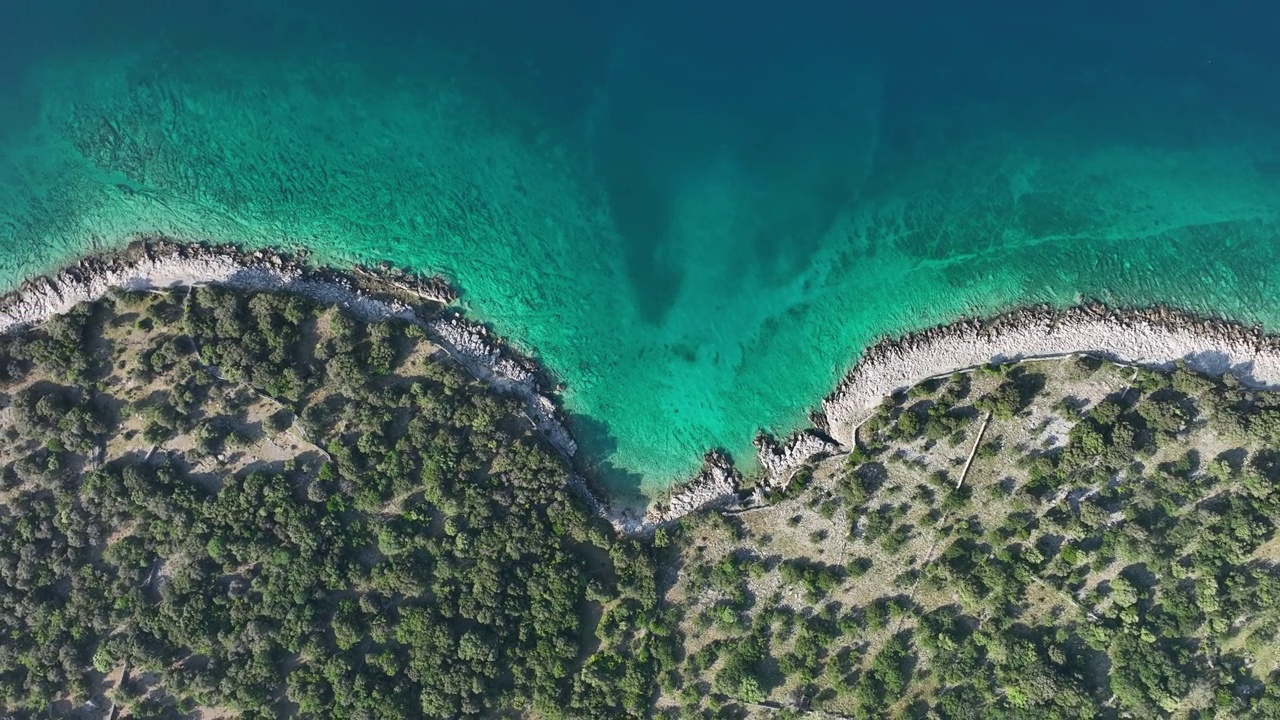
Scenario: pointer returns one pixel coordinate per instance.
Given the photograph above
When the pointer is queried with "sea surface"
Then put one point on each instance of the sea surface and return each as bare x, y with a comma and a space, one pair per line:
697, 214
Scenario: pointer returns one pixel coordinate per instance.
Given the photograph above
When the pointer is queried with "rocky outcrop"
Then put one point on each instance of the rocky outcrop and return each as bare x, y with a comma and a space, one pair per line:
158, 263
780, 461
1157, 337
715, 486
718, 484
433, 288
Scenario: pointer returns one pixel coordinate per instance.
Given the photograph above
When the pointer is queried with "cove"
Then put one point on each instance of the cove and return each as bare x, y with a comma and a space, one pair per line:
694, 214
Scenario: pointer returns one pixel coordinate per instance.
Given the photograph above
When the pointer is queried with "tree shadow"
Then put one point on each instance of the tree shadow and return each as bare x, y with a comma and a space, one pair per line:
1140, 576
1075, 403
596, 443
1028, 385
1050, 545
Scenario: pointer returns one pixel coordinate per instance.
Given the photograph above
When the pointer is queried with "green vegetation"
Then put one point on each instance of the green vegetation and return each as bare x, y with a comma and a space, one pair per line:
1111, 552
225, 505
254, 505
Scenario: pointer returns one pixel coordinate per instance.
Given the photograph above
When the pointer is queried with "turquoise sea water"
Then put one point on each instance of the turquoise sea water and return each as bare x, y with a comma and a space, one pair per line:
695, 213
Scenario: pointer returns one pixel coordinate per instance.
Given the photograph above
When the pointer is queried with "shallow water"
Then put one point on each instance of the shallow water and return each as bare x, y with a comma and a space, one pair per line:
697, 218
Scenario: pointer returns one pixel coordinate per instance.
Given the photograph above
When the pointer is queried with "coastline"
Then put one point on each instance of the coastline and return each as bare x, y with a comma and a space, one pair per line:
370, 294
1156, 337
158, 263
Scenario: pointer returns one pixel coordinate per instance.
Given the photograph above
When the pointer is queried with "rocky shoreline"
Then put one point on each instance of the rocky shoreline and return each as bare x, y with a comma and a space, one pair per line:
371, 294
485, 356
781, 460
157, 263
1156, 337
716, 485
